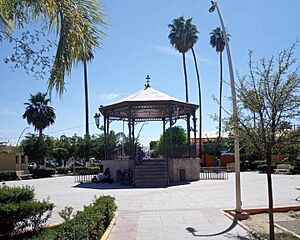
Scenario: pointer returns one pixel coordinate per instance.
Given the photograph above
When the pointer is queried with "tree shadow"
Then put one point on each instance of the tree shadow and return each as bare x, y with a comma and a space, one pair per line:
225, 232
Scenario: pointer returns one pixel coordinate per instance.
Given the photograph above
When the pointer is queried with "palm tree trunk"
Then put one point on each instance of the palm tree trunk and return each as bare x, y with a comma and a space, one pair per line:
187, 100
200, 102
40, 133
86, 99
220, 96
185, 78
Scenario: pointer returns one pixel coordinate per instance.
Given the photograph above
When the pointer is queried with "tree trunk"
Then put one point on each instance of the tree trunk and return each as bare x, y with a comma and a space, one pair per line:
270, 195
220, 96
200, 102
86, 99
187, 100
40, 133
185, 78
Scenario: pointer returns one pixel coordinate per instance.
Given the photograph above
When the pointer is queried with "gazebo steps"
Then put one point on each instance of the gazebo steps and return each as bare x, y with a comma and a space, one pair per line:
151, 173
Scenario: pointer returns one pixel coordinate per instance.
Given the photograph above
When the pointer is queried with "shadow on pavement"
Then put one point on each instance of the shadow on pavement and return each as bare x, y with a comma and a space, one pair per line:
225, 232
102, 186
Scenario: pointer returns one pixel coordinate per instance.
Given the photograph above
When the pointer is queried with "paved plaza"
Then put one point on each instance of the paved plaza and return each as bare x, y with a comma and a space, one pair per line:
189, 211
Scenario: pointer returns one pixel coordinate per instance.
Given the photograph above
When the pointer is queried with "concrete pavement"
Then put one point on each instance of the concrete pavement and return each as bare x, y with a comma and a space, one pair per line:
190, 211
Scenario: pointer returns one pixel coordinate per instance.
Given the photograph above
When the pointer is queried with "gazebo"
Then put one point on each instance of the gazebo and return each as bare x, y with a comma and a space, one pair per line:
149, 104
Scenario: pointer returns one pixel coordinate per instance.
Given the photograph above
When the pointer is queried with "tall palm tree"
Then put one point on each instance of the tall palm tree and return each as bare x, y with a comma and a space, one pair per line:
217, 41
183, 36
38, 113
76, 22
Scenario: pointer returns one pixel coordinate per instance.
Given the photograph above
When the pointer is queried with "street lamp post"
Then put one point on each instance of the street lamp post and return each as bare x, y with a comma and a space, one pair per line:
21, 135
238, 209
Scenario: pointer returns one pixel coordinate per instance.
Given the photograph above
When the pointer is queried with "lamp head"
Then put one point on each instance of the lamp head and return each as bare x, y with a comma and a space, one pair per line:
213, 6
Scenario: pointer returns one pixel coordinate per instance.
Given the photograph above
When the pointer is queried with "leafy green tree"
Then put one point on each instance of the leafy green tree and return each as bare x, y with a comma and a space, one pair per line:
176, 135
217, 41
76, 22
37, 148
271, 90
38, 113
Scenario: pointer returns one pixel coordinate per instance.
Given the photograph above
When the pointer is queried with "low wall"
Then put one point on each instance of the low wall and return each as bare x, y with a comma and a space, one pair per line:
180, 168
115, 165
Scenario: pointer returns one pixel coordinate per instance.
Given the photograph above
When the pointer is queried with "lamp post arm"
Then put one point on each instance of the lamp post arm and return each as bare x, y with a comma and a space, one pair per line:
235, 116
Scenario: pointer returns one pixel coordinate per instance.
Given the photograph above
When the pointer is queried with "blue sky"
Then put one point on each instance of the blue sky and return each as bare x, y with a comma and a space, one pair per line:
137, 44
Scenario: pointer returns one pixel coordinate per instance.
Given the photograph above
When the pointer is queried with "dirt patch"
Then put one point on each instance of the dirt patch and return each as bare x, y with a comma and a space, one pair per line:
260, 222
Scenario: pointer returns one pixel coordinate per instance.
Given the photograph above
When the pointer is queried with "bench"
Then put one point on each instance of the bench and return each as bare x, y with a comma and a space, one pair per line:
22, 174
283, 169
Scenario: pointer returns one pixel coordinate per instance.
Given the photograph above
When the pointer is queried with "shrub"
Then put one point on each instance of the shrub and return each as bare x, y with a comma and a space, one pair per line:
263, 168
20, 211
42, 173
91, 222
89, 170
62, 170
8, 175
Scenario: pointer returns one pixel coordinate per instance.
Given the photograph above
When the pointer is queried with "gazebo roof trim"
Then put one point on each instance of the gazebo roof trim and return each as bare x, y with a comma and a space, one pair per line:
148, 94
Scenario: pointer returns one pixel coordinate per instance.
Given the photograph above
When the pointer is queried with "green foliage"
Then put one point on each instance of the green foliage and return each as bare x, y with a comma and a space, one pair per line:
66, 213
62, 170
183, 34
38, 113
89, 170
76, 22
20, 211
178, 139
37, 148
42, 173
91, 222
8, 175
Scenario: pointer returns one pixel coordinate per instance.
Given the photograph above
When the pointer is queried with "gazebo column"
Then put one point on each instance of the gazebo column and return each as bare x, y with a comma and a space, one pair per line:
133, 142
170, 140
188, 130
129, 133
108, 154
195, 130
164, 137
105, 139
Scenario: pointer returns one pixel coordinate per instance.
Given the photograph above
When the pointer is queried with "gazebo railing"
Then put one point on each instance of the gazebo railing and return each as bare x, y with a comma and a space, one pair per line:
214, 173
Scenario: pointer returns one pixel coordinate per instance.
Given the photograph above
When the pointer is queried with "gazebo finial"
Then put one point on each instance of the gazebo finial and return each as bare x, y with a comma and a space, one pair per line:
147, 85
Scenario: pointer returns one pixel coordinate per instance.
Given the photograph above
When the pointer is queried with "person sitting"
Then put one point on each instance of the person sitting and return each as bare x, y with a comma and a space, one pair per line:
101, 178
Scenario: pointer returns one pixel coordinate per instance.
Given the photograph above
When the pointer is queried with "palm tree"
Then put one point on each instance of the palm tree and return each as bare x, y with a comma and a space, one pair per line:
76, 22
183, 36
217, 41
38, 113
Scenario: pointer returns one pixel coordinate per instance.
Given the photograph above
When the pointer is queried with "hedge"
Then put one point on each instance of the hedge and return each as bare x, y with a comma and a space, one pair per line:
87, 224
89, 170
62, 170
8, 175
19, 211
42, 173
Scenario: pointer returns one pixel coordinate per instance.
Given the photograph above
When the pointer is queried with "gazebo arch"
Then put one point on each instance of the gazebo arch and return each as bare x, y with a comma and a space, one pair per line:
149, 104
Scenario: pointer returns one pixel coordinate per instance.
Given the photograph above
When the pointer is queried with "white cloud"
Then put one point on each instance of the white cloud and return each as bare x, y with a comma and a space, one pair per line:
110, 96
173, 52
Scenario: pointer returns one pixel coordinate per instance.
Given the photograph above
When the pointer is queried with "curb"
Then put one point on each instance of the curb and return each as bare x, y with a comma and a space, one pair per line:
249, 230
286, 230
106, 234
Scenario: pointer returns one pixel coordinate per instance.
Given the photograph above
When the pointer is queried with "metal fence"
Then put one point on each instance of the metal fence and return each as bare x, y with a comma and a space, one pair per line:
207, 173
